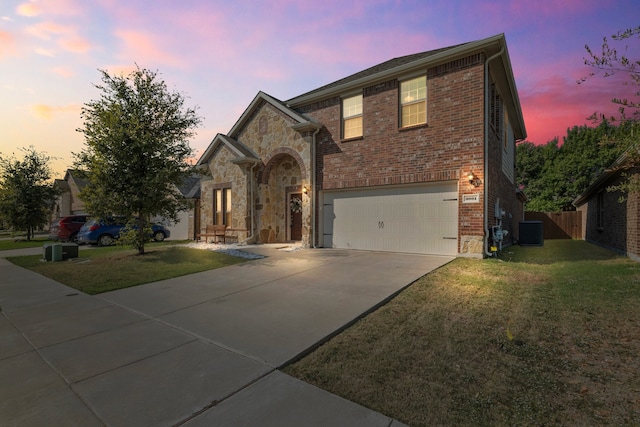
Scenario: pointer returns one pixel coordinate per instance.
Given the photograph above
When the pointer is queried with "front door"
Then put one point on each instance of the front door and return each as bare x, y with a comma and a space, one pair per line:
295, 216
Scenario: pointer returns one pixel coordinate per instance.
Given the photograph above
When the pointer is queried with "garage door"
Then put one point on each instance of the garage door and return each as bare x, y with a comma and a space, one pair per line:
420, 219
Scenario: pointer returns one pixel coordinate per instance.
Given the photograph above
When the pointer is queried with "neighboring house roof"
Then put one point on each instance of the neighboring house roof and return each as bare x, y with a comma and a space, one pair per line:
611, 172
190, 187
412, 63
78, 176
62, 184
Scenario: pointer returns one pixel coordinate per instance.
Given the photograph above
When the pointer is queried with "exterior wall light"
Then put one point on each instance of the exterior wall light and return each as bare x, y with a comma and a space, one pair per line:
305, 190
474, 180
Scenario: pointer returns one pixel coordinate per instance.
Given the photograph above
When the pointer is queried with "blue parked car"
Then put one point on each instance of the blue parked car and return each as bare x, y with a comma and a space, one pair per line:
104, 232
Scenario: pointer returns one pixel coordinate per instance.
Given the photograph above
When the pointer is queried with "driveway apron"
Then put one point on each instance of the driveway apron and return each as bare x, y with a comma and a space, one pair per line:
202, 349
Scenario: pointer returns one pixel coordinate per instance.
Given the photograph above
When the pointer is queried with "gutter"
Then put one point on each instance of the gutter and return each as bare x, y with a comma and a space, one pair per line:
307, 127
441, 57
252, 235
313, 187
486, 148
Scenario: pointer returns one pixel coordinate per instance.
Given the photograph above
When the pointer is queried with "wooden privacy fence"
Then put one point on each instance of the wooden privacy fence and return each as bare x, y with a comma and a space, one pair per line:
558, 225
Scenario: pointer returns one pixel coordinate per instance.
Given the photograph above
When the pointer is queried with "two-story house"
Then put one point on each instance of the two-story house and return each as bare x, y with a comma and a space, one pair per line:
416, 154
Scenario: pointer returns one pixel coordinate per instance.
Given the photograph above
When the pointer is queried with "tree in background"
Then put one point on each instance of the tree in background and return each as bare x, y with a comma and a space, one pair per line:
609, 62
552, 176
26, 191
136, 151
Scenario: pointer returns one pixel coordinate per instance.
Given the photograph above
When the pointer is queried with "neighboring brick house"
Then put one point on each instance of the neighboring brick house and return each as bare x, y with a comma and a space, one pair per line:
416, 154
610, 218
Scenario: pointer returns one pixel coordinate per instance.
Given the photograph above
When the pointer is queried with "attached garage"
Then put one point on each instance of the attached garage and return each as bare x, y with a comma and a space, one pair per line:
415, 219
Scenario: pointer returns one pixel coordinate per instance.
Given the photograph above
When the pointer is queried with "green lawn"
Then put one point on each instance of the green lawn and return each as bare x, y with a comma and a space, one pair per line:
543, 336
22, 243
106, 269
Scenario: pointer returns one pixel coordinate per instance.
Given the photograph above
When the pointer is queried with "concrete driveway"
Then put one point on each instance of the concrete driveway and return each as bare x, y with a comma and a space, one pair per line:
202, 349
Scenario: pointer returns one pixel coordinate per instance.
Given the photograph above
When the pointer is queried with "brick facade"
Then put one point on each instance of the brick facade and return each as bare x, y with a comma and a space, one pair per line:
619, 229
274, 142
448, 147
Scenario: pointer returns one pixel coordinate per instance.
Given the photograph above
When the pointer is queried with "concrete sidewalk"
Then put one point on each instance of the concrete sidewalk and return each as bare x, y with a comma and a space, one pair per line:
202, 349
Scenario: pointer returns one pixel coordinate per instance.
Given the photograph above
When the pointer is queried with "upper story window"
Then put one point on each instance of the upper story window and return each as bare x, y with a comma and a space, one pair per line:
496, 112
413, 102
352, 117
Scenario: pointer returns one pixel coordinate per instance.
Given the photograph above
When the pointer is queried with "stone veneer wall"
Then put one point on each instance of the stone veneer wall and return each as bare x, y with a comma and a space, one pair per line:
225, 174
269, 134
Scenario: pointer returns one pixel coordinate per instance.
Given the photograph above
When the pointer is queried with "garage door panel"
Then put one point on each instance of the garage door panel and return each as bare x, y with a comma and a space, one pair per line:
401, 219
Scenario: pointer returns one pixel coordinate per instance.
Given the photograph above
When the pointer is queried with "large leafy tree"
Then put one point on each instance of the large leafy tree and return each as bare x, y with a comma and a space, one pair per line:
26, 190
136, 150
554, 175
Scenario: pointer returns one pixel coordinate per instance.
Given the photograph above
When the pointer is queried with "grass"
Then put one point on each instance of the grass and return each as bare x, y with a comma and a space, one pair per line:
22, 243
110, 268
544, 335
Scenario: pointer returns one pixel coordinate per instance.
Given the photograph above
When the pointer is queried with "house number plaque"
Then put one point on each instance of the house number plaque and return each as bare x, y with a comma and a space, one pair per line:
471, 198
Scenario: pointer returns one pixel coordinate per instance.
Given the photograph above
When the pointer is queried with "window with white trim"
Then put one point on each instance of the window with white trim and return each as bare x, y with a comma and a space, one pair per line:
352, 117
413, 102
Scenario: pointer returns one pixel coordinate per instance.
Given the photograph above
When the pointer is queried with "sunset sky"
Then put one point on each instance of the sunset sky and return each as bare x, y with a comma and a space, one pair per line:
219, 54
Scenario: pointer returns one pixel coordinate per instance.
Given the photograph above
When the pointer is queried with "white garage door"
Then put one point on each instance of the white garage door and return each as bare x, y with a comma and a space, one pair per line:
420, 219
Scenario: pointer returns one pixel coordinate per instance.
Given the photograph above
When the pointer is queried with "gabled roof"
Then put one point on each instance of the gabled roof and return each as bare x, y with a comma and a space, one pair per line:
257, 102
392, 64
190, 187
242, 152
611, 172
78, 176
406, 65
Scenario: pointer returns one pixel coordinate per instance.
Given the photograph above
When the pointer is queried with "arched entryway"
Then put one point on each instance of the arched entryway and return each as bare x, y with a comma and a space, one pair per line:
282, 208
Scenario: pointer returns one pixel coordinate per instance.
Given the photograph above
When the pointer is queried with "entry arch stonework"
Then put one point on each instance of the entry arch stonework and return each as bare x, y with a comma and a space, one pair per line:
275, 157
283, 176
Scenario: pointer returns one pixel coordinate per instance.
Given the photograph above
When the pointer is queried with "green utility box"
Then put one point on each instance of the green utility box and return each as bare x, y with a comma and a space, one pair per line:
59, 251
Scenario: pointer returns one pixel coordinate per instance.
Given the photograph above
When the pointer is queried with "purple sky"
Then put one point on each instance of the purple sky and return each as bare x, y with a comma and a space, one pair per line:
221, 53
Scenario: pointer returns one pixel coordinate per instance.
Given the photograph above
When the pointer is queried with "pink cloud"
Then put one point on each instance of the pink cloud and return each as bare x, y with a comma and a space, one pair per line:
63, 72
7, 44
45, 30
28, 9
120, 70
75, 44
46, 112
61, 7
45, 52
558, 103
64, 36
143, 47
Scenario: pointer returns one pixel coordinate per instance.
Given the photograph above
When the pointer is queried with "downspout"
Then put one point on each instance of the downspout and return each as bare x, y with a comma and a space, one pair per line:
313, 187
486, 148
252, 235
